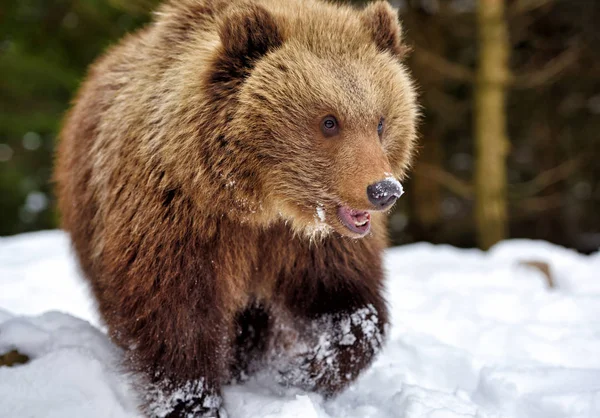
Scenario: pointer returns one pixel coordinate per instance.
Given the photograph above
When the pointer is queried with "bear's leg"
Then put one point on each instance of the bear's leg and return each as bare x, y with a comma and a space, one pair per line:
325, 351
168, 308
183, 378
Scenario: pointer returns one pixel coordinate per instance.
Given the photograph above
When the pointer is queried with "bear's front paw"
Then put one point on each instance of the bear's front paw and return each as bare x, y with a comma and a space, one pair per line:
195, 409
189, 400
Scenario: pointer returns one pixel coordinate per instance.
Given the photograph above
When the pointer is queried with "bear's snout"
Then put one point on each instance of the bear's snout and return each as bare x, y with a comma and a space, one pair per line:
384, 194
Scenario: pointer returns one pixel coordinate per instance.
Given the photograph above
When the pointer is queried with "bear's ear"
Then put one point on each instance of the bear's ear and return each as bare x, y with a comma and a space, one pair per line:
382, 21
249, 32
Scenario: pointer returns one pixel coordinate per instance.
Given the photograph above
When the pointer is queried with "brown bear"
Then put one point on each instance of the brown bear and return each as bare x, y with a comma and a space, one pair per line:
216, 173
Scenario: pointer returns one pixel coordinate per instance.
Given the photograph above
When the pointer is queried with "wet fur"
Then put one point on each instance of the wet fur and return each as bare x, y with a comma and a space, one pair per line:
187, 186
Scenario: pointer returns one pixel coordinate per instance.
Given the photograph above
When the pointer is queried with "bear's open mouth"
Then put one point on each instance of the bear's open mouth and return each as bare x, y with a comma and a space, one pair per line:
357, 221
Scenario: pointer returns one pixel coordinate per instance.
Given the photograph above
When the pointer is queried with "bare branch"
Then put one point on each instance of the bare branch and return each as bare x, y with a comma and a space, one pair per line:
547, 74
526, 6
454, 184
440, 64
545, 179
533, 79
543, 267
519, 191
539, 204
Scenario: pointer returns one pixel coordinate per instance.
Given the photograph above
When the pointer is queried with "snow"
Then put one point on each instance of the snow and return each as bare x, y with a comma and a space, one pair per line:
397, 184
321, 213
382, 189
473, 334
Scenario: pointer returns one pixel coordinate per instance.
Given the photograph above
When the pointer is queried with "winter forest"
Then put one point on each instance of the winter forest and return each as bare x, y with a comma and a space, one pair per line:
508, 140
489, 302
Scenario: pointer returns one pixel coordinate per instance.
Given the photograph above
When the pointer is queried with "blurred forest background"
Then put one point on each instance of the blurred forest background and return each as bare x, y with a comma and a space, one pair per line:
510, 91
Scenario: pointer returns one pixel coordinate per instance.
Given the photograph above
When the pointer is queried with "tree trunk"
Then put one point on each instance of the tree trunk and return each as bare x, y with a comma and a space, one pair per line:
491, 142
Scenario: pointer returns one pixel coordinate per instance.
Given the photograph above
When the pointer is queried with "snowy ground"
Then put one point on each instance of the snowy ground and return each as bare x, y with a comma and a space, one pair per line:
474, 335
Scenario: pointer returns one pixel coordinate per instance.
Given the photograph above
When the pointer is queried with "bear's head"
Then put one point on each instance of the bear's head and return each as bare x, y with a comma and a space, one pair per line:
324, 112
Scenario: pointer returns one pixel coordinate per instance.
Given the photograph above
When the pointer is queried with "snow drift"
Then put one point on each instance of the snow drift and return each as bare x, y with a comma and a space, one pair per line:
473, 334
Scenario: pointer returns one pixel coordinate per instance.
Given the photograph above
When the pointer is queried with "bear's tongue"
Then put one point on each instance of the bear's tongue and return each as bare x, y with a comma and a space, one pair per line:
357, 221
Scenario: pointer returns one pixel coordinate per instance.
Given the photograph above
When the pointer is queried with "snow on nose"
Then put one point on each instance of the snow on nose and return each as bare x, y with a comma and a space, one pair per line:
384, 194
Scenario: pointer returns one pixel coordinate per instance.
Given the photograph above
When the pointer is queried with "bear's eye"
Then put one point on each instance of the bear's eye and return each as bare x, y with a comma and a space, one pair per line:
380, 127
330, 126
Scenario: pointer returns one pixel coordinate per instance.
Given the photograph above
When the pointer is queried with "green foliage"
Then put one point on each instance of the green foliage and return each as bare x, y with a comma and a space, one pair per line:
45, 48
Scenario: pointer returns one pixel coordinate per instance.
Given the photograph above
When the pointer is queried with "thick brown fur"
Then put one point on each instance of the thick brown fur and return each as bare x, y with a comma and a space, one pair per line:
201, 195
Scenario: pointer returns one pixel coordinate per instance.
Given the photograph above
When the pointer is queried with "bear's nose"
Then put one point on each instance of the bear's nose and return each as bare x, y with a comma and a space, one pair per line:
384, 194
